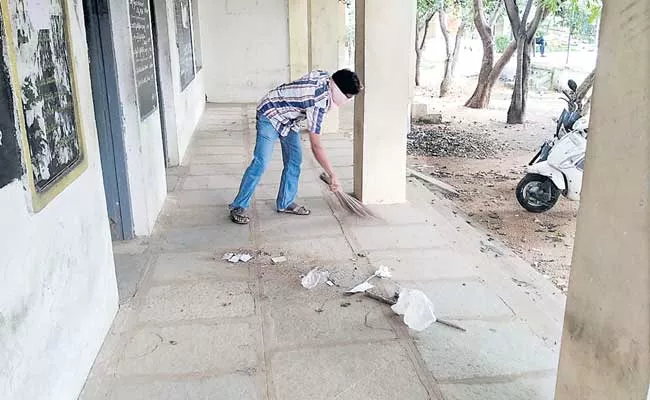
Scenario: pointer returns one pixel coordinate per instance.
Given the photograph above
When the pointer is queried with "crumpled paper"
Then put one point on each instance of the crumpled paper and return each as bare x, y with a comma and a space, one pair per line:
314, 278
383, 272
416, 308
360, 288
237, 257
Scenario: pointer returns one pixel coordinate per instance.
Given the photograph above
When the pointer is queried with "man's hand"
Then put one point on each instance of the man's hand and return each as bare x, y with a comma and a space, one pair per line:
321, 157
335, 186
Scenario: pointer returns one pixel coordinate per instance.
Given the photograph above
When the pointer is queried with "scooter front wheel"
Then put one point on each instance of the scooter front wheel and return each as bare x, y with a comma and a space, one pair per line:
537, 193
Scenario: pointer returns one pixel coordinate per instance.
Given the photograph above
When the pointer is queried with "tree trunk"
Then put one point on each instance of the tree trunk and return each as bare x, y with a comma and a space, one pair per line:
480, 98
586, 85
517, 108
568, 49
524, 37
459, 38
495, 16
418, 60
419, 45
452, 55
587, 106
442, 18
526, 74
488, 77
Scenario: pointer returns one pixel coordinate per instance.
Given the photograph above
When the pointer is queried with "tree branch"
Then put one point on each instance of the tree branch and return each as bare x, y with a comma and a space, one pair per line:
495, 13
459, 37
502, 61
524, 18
481, 24
513, 15
426, 29
586, 85
445, 31
540, 15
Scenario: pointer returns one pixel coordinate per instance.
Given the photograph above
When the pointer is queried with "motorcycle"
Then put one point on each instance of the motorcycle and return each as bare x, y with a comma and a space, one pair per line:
558, 166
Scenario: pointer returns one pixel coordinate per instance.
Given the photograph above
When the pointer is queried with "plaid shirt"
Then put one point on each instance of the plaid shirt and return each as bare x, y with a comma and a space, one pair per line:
307, 98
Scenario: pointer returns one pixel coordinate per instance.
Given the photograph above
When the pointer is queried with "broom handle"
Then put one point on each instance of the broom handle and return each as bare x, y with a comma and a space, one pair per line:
325, 178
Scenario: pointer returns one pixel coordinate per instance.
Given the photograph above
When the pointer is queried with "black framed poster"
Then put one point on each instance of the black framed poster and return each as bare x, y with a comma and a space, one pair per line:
184, 41
143, 56
48, 94
10, 158
196, 35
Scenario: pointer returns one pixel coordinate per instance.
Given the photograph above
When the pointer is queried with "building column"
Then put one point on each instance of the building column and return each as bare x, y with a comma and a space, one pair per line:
385, 33
298, 38
605, 345
324, 43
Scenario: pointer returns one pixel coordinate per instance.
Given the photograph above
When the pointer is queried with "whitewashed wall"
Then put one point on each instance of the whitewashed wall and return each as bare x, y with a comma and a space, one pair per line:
58, 294
190, 104
245, 48
183, 107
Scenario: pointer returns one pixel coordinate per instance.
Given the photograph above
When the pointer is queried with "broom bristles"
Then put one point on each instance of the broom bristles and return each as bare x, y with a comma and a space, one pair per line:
349, 202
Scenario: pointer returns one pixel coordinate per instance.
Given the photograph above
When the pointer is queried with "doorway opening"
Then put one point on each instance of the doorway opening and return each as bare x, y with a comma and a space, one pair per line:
108, 117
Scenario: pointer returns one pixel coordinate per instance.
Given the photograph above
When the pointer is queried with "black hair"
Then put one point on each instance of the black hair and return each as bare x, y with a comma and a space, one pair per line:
347, 81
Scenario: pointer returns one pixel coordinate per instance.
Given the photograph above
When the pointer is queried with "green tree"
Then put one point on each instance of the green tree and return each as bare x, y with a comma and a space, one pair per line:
578, 17
524, 32
485, 14
462, 9
426, 10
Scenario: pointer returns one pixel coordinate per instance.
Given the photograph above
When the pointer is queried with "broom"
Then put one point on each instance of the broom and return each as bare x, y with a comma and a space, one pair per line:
349, 202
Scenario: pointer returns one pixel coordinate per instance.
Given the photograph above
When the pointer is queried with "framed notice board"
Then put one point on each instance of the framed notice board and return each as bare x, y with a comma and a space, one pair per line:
143, 56
40, 51
10, 157
184, 41
196, 36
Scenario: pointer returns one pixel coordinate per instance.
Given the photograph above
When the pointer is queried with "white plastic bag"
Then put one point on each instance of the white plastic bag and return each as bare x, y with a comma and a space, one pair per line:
416, 308
314, 278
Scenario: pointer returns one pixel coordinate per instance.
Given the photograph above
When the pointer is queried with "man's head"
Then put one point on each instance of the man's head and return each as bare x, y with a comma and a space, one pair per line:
347, 81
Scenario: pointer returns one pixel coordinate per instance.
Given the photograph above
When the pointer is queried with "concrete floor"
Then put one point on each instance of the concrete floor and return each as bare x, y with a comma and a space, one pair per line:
192, 326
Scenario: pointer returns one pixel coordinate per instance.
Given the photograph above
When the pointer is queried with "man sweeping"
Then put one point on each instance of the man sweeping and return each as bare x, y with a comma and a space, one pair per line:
278, 114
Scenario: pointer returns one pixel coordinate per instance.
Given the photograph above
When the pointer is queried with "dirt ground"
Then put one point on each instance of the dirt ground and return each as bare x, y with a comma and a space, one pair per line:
487, 173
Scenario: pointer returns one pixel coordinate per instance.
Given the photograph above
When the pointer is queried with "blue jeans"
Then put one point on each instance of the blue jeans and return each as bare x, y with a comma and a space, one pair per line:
291, 158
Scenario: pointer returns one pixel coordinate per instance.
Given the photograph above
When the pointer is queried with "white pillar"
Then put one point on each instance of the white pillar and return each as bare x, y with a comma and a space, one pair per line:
298, 38
385, 33
325, 39
606, 340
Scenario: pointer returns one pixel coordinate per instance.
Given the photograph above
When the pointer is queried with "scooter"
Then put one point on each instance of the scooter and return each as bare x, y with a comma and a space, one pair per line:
558, 166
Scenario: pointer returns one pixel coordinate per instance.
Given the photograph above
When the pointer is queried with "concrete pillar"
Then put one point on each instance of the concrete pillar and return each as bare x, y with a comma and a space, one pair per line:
299, 37
605, 345
343, 32
325, 40
385, 32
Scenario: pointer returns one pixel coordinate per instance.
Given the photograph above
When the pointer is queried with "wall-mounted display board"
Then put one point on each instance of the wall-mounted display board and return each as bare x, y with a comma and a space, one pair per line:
184, 41
143, 56
10, 158
40, 51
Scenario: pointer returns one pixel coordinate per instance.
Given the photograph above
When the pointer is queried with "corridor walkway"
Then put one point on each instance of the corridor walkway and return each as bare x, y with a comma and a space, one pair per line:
192, 326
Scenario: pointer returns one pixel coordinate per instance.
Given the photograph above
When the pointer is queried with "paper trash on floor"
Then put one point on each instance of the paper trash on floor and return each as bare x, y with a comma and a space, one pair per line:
416, 308
278, 260
360, 288
237, 257
383, 272
314, 278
